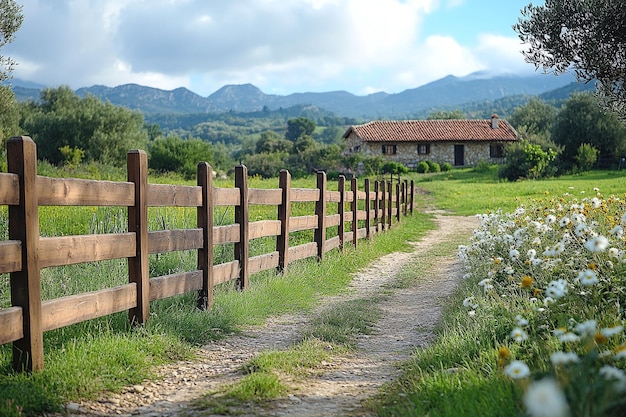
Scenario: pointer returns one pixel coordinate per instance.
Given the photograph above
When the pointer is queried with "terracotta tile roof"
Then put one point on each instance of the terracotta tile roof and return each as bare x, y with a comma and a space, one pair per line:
432, 130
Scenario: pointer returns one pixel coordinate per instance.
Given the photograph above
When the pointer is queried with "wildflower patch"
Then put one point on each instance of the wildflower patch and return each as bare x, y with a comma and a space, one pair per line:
558, 266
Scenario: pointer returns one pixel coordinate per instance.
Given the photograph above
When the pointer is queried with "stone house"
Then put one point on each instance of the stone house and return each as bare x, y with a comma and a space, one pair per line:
458, 142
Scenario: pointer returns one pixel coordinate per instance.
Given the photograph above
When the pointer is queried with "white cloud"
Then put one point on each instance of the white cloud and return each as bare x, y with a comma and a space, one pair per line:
311, 45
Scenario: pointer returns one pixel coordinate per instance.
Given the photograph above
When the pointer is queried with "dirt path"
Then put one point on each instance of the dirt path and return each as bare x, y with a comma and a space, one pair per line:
409, 317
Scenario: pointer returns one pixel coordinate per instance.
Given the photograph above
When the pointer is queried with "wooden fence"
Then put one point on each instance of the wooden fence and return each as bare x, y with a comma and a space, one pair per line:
26, 253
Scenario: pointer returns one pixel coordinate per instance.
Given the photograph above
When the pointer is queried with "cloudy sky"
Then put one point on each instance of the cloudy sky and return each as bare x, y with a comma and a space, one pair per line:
281, 46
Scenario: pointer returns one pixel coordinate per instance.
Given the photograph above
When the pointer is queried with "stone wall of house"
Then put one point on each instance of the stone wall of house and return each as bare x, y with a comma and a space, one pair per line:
406, 153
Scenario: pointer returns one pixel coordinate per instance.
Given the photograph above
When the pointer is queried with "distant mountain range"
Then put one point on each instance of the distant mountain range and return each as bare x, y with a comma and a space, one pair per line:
447, 93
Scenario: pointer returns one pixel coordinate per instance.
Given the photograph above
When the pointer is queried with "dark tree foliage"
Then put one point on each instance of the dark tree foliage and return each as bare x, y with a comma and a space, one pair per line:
299, 127
105, 132
586, 36
11, 19
581, 121
536, 116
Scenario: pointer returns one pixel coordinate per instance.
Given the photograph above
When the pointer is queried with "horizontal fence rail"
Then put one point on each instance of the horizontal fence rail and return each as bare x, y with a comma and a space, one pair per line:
359, 214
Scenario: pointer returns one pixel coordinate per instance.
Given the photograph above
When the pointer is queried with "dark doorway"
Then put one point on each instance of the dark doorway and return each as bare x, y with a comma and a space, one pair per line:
459, 155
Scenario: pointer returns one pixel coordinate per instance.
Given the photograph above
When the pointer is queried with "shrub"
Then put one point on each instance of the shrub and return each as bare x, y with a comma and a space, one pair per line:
585, 157
433, 166
528, 160
482, 167
422, 167
393, 167
446, 166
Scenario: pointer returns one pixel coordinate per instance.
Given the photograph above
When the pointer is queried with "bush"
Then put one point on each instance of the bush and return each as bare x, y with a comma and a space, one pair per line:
433, 166
446, 166
529, 161
394, 168
482, 167
585, 157
422, 167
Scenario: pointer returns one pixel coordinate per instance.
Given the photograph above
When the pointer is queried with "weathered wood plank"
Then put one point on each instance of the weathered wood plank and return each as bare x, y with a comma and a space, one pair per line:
9, 189
302, 223
225, 234
361, 215
361, 233
69, 250
333, 220
347, 217
361, 195
65, 311
174, 240
263, 262
261, 196
11, 256
304, 195
303, 251
11, 325
263, 228
226, 197
175, 284
166, 195
80, 192
333, 196
225, 272
332, 243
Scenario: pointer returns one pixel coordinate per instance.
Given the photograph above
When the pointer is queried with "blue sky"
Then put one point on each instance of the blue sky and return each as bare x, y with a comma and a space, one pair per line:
281, 46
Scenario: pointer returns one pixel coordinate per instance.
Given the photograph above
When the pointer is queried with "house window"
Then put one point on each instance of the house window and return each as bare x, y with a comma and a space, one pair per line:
423, 149
390, 149
496, 151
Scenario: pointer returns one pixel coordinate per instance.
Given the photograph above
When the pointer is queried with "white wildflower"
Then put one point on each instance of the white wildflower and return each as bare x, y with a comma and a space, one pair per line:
569, 337
563, 358
519, 335
521, 321
587, 277
612, 331
586, 328
544, 398
597, 244
517, 370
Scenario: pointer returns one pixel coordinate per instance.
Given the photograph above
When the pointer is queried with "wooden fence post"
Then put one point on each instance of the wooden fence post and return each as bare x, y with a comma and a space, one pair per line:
320, 212
138, 269
242, 248
24, 226
383, 211
341, 209
411, 198
205, 222
398, 201
284, 213
405, 198
354, 206
389, 204
368, 216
